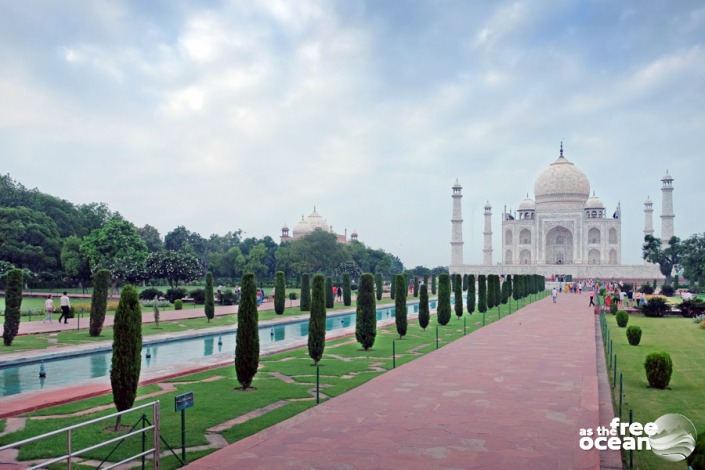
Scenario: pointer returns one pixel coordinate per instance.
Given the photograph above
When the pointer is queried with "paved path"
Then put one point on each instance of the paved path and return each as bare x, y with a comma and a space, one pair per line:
511, 395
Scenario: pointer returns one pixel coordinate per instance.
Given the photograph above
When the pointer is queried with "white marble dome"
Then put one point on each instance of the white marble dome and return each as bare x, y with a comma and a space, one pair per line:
310, 224
594, 202
527, 204
562, 186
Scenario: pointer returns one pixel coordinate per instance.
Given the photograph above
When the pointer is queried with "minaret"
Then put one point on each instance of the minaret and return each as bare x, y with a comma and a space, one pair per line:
456, 241
487, 250
666, 209
648, 217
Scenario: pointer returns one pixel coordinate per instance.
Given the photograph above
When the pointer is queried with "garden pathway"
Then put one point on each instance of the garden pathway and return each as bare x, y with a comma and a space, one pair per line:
513, 394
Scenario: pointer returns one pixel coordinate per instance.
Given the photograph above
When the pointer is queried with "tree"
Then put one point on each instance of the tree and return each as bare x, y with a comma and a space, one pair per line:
173, 266
443, 311
693, 258
400, 306
316, 252
424, 313
347, 290
433, 284
317, 322
127, 350
458, 296
465, 282
29, 239
247, 339
209, 306
279, 293
481, 293
379, 286
416, 286
667, 258
516, 288
330, 296
13, 303
74, 262
305, 304
366, 319
505, 292
393, 291
118, 247
490, 292
471, 293
99, 301
351, 268
151, 237
508, 280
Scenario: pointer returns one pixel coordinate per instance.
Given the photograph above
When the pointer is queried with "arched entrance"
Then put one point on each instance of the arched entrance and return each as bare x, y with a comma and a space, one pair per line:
559, 246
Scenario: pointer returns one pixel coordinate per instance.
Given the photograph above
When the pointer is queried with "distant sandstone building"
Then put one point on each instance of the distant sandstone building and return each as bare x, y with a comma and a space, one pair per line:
563, 230
314, 223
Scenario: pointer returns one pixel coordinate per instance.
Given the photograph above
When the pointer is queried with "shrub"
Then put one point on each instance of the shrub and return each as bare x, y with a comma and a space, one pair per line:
199, 295
655, 307
692, 308
366, 319
178, 304
458, 291
634, 335
613, 306
379, 286
127, 350
482, 293
317, 321
13, 305
424, 313
347, 291
175, 293
392, 292
279, 293
659, 368
667, 290
443, 309
330, 296
293, 296
229, 297
433, 284
489, 292
696, 460
247, 337
622, 318
208, 297
150, 293
305, 304
699, 318
400, 316
471, 294
646, 289
99, 301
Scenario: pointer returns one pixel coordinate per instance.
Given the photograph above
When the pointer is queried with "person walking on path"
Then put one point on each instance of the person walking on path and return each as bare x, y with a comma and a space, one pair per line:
592, 298
49, 308
554, 294
65, 308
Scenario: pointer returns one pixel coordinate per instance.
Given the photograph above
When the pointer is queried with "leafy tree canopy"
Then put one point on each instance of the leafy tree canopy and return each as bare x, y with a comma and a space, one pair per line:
667, 258
117, 247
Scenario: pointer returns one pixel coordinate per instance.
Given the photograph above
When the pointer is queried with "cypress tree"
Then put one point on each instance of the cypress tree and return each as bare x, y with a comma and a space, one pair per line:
465, 282
433, 284
317, 322
392, 293
471, 293
13, 305
508, 280
247, 337
400, 306
490, 299
481, 294
366, 320
99, 301
305, 304
505, 291
209, 306
127, 350
458, 296
379, 286
330, 296
425, 281
443, 311
416, 286
279, 293
347, 290
516, 287
424, 313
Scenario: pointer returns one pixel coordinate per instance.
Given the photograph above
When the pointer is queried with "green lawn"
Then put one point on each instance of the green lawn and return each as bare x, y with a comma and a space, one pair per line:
287, 377
683, 340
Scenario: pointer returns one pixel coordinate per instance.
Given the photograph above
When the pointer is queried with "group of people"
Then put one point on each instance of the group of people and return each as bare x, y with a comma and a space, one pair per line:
64, 303
615, 292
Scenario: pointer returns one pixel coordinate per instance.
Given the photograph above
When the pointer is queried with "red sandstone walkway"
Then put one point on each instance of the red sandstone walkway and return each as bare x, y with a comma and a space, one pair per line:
511, 395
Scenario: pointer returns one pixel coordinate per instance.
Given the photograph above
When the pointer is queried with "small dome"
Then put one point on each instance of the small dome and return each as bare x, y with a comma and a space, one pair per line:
667, 177
314, 222
594, 202
562, 186
648, 201
527, 204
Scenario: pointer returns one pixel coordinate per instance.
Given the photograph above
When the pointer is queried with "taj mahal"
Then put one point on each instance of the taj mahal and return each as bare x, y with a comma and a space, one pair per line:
564, 230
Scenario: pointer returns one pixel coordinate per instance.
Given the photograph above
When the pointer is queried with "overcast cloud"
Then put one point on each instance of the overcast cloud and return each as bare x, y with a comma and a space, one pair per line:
226, 115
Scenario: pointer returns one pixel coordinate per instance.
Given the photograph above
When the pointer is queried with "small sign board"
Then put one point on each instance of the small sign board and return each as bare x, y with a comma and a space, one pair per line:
183, 401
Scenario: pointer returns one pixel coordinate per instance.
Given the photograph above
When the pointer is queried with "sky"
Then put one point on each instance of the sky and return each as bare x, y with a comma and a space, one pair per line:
221, 116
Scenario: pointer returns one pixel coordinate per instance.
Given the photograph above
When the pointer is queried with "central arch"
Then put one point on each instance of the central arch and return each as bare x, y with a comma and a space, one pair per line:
559, 246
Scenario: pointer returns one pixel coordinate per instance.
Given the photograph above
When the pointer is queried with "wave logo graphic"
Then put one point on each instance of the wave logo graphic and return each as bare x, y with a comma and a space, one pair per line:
675, 439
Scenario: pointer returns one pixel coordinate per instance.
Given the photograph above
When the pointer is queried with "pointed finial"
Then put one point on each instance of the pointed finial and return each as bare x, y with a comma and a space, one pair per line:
561, 148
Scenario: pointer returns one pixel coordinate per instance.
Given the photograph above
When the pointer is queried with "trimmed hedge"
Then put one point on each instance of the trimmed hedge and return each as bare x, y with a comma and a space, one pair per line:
622, 318
443, 310
366, 319
659, 368
634, 335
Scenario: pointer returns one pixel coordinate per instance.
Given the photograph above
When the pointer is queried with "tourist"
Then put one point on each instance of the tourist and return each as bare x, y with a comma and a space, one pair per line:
65, 308
339, 291
554, 294
592, 298
49, 308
